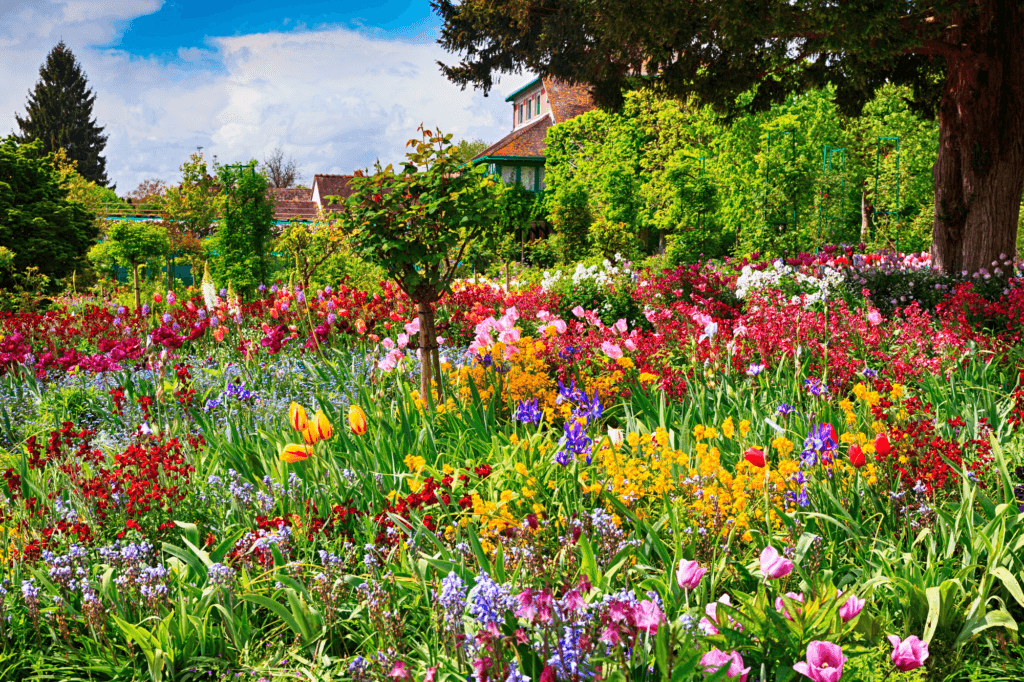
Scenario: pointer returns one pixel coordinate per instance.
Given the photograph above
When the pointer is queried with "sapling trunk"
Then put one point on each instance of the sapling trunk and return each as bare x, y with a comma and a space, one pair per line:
135, 279
425, 314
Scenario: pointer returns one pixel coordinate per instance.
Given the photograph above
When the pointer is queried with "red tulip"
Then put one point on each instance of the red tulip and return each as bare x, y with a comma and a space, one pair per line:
857, 458
157, 298
832, 434
882, 446
755, 457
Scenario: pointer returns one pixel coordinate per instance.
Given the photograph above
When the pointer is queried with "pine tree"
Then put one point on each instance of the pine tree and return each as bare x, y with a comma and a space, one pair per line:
60, 115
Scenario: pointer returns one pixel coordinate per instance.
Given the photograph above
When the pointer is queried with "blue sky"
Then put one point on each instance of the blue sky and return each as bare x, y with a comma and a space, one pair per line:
335, 84
188, 23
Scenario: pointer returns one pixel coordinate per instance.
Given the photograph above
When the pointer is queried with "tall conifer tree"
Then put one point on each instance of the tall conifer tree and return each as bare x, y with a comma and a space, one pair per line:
60, 115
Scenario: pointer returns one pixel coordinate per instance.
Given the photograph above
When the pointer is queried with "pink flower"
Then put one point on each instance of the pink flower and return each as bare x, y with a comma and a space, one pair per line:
611, 635
621, 327
689, 573
619, 611
544, 316
909, 653
874, 317
480, 667
400, 672
611, 350
526, 608
403, 340
851, 608
780, 604
774, 566
574, 601
431, 674
509, 337
648, 616
578, 311
702, 319
715, 660
709, 624
630, 345
824, 662
544, 602
412, 327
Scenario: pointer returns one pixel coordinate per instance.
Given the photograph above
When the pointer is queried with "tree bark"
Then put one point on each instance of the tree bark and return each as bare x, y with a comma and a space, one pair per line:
865, 215
135, 279
979, 173
428, 340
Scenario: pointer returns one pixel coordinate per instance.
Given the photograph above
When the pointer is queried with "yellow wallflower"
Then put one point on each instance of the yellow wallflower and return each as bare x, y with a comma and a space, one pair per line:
897, 391
728, 430
414, 462
783, 446
625, 363
647, 377
744, 427
521, 469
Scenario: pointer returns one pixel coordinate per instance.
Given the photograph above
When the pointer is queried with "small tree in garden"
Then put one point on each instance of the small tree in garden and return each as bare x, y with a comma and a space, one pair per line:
311, 245
247, 219
417, 224
135, 243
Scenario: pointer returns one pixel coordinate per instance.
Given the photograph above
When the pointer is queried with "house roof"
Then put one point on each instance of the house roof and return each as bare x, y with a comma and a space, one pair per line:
525, 141
522, 89
291, 194
568, 101
332, 185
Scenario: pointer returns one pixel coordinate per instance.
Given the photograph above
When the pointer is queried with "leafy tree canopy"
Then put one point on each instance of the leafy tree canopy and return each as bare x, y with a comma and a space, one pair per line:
38, 222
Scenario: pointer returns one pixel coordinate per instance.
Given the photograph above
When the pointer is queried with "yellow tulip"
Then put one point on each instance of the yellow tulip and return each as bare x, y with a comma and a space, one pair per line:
295, 453
357, 420
297, 417
310, 435
323, 426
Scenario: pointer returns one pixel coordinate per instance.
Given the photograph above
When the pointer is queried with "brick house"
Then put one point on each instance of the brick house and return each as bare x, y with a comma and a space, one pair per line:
543, 102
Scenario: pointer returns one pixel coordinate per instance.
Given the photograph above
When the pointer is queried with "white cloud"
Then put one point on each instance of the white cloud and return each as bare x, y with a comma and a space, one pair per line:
334, 99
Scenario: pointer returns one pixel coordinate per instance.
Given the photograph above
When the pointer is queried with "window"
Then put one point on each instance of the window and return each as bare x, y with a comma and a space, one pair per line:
526, 177
529, 109
538, 105
540, 176
508, 174
520, 113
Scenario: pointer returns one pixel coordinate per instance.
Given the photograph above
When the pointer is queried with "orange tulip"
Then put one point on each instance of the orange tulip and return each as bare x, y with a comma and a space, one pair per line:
357, 420
297, 417
323, 426
295, 453
218, 334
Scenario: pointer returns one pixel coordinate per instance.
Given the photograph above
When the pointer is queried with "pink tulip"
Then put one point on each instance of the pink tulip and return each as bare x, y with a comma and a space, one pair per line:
621, 326
851, 609
709, 624
824, 662
578, 311
412, 327
774, 566
780, 604
874, 317
689, 573
630, 345
648, 616
611, 350
403, 340
909, 653
715, 660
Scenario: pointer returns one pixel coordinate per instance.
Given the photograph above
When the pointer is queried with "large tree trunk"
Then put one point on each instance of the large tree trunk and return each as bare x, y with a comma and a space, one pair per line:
979, 173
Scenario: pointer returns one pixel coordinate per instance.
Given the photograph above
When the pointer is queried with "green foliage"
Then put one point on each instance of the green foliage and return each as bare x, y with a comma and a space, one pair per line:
37, 221
465, 150
569, 212
60, 115
244, 237
193, 205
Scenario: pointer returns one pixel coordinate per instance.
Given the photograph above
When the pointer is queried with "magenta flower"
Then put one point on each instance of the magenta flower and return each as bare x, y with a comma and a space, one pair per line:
851, 609
780, 604
909, 653
689, 573
574, 601
400, 672
774, 566
648, 616
715, 660
709, 625
824, 662
526, 608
